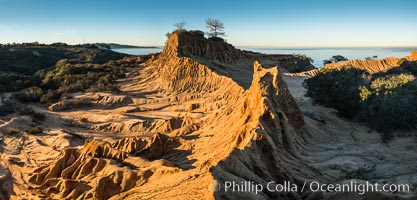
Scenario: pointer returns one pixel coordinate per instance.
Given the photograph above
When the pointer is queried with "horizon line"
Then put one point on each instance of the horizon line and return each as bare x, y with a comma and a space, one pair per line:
238, 46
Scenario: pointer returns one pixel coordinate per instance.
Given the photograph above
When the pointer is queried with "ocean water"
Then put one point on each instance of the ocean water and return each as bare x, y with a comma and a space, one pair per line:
317, 54
139, 51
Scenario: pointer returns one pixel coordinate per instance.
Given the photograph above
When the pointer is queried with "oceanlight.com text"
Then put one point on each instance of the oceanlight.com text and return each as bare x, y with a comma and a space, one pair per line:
359, 187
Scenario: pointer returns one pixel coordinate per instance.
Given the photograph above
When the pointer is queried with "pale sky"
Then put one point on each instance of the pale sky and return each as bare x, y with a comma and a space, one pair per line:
319, 23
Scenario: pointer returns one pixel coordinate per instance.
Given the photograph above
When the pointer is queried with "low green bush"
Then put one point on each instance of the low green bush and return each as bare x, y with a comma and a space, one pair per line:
71, 76
84, 120
25, 65
38, 116
386, 101
12, 82
410, 66
6, 107
338, 89
10, 131
32, 94
34, 130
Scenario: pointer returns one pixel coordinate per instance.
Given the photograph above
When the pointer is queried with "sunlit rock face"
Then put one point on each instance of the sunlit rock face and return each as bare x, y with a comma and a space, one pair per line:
200, 113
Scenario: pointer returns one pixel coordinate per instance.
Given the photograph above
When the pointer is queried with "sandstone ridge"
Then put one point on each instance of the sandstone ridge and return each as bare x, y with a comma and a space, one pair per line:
229, 132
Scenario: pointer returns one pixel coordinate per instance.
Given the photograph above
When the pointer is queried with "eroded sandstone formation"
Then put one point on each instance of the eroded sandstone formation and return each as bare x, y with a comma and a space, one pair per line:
369, 66
229, 132
185, 121
374, 66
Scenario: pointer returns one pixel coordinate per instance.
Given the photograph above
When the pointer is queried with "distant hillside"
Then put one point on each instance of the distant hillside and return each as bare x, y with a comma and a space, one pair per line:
20, 62
29, 59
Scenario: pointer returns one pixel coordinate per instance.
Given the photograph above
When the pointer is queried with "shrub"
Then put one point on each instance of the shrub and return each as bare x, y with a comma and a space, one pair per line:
364, 93
57, 69
25, 110
410, 66
386, 101
334, 59
70, 76
338, 89
6, 107
34, 130
39, 116
393, 104
216, 39
10, 131
11, 81
32, 94
197, 33
24, 65
393, 111
391, 82
300, 63
50, 96
84, 120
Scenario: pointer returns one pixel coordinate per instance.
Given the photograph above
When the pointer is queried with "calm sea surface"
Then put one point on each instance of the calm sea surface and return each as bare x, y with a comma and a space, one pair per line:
138, 51
317, 54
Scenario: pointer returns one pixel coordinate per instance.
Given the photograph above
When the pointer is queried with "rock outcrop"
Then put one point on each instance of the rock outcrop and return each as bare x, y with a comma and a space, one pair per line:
270, 125
373, 66
412, 57
370, 66
225, 59
231, 132
99, 170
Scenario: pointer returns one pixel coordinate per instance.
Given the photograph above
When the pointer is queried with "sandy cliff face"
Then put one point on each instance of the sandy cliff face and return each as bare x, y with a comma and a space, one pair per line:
412, 57
373, 66
189, 45
203, 49
271, 125
218, 131
226, 60
370, 66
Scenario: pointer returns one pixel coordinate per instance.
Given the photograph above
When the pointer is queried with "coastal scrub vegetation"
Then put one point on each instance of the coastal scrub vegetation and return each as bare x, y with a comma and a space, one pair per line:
71, 76
386, 101
46, 72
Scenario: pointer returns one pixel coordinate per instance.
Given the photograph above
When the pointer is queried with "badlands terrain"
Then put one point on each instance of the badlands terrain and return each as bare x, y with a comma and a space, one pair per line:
198, 114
